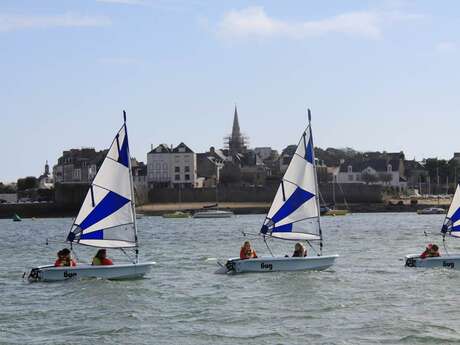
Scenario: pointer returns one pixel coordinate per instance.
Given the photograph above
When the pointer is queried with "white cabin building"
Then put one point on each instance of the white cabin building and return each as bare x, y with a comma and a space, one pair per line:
170, 167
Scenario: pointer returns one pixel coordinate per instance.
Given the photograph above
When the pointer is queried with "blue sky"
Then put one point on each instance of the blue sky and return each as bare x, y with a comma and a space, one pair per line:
378, 75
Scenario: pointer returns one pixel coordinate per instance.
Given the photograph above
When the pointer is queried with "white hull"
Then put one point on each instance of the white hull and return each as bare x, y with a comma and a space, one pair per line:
278, 264
125, 271
213, 214
446, 261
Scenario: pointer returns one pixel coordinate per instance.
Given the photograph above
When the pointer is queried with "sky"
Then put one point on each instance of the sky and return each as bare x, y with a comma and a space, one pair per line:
377, 75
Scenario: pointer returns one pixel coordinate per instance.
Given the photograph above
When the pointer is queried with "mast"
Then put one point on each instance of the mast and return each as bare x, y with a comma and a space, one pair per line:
316, 185
333, 189
133, 198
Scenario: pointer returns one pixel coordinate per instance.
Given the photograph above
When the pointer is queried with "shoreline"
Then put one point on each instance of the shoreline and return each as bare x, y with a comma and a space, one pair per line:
51, 210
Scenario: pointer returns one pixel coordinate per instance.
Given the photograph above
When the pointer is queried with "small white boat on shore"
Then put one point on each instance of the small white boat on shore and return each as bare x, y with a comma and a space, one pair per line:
107, 219
295, 203
213, 214
451, 228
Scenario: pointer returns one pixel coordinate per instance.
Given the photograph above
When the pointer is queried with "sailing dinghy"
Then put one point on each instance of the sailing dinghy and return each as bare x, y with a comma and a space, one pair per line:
295, 202
450, 227
107, 219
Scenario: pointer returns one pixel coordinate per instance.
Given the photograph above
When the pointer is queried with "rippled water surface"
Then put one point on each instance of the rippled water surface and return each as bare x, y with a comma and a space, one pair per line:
368, 297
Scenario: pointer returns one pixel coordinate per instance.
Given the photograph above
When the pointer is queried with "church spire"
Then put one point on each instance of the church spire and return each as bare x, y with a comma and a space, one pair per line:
47, 168
236, 125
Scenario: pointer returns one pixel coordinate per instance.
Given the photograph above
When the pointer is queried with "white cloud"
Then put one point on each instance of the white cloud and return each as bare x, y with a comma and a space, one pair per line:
254, 22
17, 22
446, 47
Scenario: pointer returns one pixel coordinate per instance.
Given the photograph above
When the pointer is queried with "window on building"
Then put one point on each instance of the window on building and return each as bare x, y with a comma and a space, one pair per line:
349, 168
187, 177
358, 177
389, 168
176, 169
350, 177
181, 149
165, 166
286, 160
177, 177
187, 169
77, 174
158, 166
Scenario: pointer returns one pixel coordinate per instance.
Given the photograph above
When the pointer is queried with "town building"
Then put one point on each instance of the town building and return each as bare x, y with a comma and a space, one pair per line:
139, 172
285, 157
208, 166
417, 175
382, 171
46, 181
158, 166
171, 167
78, 165
456, 157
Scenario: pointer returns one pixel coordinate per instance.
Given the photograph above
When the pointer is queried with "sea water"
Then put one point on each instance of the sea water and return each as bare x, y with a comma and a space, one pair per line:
367, 297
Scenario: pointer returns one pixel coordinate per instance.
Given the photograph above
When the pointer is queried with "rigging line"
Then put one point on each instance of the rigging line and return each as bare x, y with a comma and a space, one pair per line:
94, 184
74, 252
295, 153
343, 193
268, 247
107, 157
124, 252
313, 248
296, 221
295, 184
315, 174
444, 243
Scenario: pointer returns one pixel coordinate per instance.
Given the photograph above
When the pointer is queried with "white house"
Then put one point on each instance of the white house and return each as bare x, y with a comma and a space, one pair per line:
375, 171
183, 163
168, 167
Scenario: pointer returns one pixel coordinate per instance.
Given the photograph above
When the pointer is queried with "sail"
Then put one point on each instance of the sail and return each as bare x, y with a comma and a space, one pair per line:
296, 197
106, 216
452, 222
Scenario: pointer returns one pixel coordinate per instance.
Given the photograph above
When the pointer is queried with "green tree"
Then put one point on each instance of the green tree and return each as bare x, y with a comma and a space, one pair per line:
29, 182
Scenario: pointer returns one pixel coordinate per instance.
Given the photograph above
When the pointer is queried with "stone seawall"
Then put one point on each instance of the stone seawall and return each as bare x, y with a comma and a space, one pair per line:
349, 193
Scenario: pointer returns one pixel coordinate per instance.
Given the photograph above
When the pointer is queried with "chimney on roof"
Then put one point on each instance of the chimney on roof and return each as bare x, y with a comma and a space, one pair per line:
151, 146
212, 149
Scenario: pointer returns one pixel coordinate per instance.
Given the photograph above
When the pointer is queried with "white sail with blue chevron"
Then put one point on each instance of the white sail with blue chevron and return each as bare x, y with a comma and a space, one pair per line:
452, 222
297, 197
106, 218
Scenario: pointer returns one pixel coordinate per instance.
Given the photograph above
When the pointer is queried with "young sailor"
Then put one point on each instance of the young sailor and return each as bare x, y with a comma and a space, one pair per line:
431, 250
101, 258
299, 250
64, 259
247, 252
